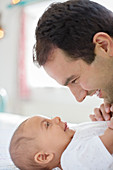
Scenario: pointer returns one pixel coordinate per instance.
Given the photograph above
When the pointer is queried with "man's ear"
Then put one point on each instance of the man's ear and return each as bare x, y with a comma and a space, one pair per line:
104, 41
43, 158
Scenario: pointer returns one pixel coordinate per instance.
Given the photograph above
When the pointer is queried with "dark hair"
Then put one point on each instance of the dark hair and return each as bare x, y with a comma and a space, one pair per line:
71, 26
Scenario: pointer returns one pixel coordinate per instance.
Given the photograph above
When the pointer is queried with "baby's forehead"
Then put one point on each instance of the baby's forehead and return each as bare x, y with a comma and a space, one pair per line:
36, 118
34, 122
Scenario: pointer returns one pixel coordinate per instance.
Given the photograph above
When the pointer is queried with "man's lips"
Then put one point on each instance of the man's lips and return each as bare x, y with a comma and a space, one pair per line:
97, 92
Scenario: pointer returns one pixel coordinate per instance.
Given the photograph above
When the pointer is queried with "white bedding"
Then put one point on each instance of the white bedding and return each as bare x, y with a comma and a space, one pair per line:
8, 123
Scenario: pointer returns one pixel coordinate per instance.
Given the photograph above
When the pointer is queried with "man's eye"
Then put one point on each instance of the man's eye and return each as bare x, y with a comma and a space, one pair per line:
74, 81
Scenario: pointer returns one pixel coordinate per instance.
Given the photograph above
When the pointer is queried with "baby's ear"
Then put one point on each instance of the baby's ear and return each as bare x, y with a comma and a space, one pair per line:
43, 158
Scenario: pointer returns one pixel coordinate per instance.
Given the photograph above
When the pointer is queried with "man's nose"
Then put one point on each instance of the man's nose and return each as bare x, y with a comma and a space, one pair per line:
79, 93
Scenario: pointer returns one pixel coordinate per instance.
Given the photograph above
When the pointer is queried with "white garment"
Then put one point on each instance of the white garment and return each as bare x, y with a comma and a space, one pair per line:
86, 151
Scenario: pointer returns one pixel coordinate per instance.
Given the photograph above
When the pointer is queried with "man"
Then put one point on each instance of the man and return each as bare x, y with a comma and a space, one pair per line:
74, 44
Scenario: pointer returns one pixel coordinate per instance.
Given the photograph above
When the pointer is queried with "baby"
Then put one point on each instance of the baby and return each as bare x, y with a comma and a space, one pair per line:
40, 143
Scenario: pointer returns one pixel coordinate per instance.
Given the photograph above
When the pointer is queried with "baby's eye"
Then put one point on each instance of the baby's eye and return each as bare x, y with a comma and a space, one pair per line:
47, 124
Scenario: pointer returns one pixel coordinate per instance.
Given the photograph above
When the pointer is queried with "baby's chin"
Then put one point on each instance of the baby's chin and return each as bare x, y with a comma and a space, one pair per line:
72, 132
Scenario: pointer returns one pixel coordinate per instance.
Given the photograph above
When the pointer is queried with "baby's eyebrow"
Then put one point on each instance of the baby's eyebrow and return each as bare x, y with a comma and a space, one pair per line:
24, 122
43, 122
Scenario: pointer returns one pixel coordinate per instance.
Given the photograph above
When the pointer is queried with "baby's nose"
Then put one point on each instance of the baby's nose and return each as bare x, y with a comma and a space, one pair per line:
57, 120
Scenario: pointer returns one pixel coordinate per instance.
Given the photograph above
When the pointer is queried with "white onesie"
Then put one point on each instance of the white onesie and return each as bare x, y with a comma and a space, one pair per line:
86, 151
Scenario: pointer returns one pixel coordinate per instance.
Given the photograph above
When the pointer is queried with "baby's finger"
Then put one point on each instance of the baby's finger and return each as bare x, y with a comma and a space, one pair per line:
92, 117
98, 114
107, 107
111, 108
110, 123
106, 116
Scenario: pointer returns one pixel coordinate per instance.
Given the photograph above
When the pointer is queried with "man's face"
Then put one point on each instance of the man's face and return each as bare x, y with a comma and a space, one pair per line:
51, 135
83, 79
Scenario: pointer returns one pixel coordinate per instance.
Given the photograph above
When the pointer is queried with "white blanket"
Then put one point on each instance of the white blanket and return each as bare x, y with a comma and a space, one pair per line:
86, 151
8, 123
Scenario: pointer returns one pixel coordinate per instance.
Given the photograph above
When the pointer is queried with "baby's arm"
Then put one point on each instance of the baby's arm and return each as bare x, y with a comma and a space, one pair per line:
107, 137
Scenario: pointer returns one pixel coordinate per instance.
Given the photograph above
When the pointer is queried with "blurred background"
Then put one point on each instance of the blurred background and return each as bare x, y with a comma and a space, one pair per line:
24, 88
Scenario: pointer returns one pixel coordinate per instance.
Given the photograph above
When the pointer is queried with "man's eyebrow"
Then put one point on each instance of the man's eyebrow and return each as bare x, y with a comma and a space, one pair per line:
68, 80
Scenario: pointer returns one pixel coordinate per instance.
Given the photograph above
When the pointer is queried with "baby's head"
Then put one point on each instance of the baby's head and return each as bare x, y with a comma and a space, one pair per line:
38, 143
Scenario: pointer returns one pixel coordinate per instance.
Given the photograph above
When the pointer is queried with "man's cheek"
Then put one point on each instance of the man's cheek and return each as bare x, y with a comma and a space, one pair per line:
86, 85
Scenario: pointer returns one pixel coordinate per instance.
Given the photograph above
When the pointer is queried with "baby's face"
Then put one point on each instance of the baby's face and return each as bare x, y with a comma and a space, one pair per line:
51, 135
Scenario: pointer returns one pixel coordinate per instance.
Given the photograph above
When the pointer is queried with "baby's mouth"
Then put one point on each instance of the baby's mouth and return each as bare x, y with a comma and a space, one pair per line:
65, 128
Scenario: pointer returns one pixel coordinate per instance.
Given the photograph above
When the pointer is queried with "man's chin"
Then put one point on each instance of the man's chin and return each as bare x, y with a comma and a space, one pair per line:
108, 100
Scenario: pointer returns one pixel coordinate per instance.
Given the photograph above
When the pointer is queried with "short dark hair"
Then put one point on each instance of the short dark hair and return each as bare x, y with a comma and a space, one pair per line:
71, 26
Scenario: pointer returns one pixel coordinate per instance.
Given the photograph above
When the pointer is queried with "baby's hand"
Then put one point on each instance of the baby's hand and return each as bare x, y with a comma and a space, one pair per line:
100, 114
108, 108
110, 124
